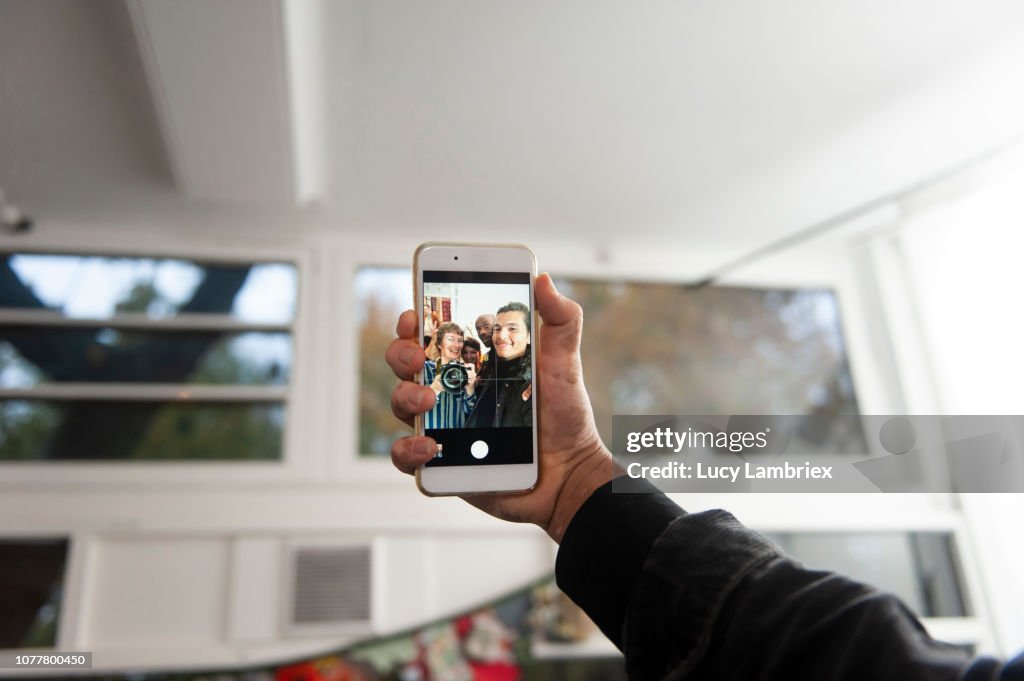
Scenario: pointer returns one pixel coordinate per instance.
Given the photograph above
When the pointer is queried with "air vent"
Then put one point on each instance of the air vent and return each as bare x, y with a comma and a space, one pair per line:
330, 586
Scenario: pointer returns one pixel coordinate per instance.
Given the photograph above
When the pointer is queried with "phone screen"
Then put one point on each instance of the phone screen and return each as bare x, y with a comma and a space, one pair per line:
477, 333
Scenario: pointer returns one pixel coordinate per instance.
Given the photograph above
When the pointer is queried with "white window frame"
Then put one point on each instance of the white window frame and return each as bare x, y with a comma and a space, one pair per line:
69, 605
323, 484
885, 257
791, 271
298, 445
837, 265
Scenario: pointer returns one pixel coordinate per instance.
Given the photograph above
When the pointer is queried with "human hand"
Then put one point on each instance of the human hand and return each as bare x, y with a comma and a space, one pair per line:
429, 328
471, 374
573, 461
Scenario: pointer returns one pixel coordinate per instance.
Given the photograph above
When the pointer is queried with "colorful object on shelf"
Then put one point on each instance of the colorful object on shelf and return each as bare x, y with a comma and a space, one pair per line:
331, 668
492, 643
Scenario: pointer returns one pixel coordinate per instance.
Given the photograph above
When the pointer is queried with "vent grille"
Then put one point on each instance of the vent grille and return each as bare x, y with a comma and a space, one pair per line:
332, 585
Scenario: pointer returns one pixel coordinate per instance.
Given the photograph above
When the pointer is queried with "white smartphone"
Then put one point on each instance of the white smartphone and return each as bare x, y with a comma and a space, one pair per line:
477, 321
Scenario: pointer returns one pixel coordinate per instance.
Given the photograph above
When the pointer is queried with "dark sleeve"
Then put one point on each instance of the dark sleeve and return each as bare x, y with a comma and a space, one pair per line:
700, 596
605, 546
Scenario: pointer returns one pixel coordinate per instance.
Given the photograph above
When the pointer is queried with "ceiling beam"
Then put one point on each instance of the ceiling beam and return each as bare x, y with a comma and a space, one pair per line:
236, 86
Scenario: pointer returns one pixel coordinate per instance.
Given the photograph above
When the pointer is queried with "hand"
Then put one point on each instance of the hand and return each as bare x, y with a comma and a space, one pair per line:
573, 461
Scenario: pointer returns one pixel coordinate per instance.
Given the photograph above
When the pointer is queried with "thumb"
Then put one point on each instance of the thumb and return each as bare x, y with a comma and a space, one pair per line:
562, 317
554, 308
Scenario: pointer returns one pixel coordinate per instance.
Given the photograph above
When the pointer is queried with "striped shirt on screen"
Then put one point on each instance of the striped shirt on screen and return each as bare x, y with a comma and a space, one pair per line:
450, 411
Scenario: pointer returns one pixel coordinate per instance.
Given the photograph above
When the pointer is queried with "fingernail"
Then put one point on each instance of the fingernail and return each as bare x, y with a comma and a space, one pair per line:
427, 401
425, 448
406, 355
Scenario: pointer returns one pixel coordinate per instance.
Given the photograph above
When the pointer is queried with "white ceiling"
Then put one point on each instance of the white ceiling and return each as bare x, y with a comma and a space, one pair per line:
726, 122
76, 121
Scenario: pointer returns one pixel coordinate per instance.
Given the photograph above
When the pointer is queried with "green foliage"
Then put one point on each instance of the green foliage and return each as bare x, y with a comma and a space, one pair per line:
214, 432
25, 428
140, 298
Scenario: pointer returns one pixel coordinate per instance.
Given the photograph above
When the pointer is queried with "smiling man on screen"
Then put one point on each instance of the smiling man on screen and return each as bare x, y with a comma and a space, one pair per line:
505, 399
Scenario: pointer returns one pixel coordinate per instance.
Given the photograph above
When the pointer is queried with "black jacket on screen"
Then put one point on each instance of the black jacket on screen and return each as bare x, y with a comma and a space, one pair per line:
700, 596
506, 396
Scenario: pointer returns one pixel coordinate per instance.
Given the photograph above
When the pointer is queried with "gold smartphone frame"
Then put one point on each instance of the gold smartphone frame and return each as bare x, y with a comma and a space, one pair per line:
535, 349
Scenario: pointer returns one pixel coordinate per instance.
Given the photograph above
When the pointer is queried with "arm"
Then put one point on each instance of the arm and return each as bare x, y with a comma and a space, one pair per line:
432, 378
470, 389
696, 595
429, 325
700, 596
469, 402
432, 352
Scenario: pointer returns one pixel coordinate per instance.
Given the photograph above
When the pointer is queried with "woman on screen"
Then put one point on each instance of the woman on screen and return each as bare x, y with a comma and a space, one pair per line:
452, 380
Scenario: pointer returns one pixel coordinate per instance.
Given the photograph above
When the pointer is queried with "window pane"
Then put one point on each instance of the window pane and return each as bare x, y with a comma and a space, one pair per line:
656, 349
382, 294
919, 567
31, 588
100, 287
104, 430
30, 355
662, 349
225, 342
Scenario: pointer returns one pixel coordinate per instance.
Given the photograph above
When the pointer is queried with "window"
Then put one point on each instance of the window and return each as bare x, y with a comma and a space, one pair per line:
31, 590
662, 349
382, 293
654, 349
143, 358
919, 567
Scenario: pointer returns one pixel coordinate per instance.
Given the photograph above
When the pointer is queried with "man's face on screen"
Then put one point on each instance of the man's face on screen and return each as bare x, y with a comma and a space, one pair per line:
484, 325
510, 335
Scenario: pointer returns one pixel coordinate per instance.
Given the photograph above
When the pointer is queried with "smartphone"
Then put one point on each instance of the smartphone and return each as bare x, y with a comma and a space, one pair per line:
484, 420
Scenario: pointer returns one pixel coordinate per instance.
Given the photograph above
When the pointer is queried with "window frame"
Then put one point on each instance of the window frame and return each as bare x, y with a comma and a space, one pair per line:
70, 598
841, 265
802, 269
321, 466
298, 426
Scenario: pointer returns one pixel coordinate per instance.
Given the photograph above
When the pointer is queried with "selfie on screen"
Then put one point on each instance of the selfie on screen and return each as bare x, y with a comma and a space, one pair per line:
477, 338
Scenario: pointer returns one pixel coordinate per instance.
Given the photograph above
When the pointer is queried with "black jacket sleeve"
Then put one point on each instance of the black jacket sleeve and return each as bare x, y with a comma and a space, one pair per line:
700, 596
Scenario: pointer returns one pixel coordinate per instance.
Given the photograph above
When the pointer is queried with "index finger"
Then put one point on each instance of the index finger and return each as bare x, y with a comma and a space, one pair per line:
406, 327
405, 357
